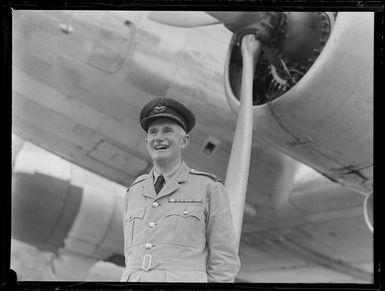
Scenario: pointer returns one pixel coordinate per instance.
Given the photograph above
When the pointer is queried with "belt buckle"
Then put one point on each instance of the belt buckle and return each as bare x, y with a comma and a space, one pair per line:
147, 262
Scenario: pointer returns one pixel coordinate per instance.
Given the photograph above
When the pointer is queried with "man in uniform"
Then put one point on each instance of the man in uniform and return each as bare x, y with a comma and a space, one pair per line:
177, 221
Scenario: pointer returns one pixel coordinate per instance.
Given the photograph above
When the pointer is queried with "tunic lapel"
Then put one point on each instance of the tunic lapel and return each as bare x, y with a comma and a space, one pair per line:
170, 187
148, 187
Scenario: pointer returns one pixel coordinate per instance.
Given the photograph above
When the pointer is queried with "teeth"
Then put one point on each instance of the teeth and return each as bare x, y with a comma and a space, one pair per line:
160, 147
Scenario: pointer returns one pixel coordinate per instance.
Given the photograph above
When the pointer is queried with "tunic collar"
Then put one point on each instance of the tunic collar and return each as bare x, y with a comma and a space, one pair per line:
168, 175
171, 185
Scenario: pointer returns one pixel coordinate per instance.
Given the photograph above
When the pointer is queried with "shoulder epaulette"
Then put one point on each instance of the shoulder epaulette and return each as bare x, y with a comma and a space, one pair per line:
139, 179
212, 176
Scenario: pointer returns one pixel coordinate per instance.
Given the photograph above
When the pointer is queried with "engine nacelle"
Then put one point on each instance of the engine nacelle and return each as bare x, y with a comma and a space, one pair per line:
61, 208
313, 92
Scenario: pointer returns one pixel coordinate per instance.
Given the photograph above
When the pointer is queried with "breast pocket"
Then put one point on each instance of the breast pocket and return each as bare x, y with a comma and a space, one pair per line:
185, 226
132, 225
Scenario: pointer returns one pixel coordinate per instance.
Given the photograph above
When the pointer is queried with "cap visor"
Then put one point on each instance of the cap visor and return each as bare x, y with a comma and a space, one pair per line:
146, 121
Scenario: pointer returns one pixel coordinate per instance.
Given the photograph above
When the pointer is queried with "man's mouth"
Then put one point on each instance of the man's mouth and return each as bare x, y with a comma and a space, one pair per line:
161, 147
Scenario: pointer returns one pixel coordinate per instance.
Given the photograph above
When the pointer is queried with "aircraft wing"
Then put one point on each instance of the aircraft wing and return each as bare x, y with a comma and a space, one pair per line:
80, 79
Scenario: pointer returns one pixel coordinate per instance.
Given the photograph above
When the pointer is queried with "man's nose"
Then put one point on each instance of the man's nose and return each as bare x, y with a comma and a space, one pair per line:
158, 135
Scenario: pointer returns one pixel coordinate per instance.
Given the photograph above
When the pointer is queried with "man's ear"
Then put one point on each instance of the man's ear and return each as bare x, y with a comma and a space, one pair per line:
185, 141
146, 140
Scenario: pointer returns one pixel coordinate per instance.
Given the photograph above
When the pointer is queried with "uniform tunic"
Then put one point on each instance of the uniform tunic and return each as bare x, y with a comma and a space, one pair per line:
183, 234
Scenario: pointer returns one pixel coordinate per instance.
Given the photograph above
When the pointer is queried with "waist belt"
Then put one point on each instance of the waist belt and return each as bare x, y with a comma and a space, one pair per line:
149, 263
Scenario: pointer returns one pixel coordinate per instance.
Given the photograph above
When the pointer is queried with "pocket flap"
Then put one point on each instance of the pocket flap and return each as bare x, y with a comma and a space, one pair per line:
196, 212
135, 213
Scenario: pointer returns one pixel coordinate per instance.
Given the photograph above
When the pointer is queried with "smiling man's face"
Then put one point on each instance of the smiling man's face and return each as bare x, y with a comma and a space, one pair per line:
165, 141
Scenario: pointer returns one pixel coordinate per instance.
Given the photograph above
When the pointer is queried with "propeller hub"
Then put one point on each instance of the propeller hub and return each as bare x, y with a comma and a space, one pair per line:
262, 24
292, 41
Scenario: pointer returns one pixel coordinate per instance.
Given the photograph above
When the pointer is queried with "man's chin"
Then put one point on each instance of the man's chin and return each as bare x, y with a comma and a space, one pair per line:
160, 157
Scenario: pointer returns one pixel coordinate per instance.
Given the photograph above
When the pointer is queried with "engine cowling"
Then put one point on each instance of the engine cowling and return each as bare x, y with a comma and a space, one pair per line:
313, 92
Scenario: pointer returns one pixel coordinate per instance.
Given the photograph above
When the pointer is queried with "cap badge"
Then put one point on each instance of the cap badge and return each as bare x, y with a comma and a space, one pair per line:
159, 109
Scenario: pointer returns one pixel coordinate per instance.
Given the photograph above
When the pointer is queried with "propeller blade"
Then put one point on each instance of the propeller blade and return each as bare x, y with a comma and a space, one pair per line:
182, 18
239, 163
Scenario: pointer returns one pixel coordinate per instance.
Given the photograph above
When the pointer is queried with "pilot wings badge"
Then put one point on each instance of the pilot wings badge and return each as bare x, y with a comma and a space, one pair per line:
159, 109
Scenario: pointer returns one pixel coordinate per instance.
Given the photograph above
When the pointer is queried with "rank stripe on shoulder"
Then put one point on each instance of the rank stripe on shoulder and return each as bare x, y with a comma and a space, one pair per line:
212, 176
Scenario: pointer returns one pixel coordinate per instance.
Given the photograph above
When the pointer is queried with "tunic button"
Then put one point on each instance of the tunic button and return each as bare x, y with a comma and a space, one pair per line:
155, 204
185, 212
148, 245
151, 224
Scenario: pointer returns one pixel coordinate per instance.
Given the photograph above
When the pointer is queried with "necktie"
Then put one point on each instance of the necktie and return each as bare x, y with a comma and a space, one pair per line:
159, 183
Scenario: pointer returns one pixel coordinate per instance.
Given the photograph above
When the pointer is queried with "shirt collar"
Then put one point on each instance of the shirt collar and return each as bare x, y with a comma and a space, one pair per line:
167, 176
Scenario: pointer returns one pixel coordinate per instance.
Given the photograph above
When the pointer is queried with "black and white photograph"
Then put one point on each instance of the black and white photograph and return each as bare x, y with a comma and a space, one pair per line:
192, 146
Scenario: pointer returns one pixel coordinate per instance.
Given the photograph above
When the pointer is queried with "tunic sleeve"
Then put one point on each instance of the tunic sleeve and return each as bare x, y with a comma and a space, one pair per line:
223, 262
